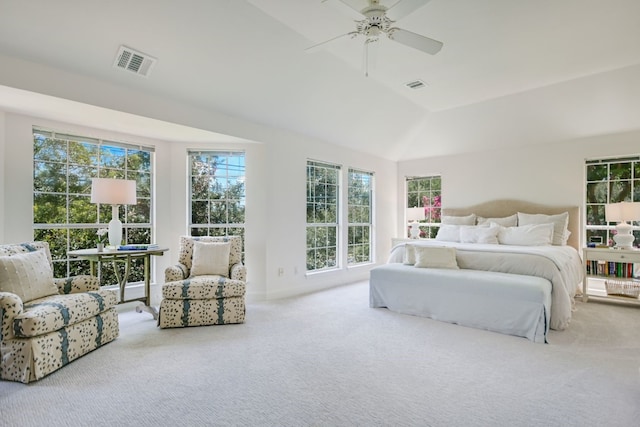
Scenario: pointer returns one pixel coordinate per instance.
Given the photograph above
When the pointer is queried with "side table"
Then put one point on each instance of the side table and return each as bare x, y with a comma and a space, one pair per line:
615, 264
125, 256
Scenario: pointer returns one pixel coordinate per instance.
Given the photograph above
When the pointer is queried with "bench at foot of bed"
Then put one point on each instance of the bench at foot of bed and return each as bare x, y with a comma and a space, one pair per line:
511, 304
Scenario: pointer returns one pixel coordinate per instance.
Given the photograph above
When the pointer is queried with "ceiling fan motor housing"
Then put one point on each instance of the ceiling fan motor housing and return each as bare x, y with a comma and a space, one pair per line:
374, 12
377, 21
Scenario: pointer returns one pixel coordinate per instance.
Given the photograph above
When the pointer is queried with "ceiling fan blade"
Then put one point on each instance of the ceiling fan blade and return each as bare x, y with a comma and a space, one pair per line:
346, 8
416, 41
404, 7
318, 46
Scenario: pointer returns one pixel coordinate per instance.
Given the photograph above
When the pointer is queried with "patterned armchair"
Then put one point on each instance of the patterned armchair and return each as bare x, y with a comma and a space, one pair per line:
207, 286
46, 322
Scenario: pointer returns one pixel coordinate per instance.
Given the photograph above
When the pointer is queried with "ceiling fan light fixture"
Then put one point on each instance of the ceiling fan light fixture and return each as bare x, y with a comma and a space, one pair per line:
373, 21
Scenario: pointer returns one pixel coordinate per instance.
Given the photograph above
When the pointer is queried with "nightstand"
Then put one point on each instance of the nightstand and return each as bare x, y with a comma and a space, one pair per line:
607, 263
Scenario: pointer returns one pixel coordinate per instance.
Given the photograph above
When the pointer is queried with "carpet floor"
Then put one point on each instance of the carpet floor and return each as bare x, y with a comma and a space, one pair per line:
327, 359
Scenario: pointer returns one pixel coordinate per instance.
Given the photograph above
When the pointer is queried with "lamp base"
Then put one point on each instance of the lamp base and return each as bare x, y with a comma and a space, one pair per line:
115, 228
414, 233
624, 238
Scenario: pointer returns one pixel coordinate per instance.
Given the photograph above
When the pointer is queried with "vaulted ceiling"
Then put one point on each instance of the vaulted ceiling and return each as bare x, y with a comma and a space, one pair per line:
510, 72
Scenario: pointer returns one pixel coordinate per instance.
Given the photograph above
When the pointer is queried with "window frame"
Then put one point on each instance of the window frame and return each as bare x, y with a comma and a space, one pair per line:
234, 174
605, 186
415, 197
72, 181
353, 208
332, 247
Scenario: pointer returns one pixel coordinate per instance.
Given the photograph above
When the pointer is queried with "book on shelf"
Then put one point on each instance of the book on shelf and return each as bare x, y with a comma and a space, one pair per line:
138, 247
625, 270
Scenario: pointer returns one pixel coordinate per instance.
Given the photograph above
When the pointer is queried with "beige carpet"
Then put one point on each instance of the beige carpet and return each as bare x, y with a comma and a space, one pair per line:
327, 359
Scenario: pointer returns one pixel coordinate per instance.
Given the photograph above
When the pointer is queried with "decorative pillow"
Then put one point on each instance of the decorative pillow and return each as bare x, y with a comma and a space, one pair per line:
448, 233
27, 275
210, 258
409, 254
435, 257
526, 235
560, 223
459, 220
480, 234
507, 221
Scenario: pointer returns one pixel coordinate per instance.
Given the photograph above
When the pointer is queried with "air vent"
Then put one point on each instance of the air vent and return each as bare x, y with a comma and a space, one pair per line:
134, 61
416, 84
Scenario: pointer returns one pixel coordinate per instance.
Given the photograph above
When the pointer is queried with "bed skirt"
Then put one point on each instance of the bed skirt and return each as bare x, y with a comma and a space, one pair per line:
511, 304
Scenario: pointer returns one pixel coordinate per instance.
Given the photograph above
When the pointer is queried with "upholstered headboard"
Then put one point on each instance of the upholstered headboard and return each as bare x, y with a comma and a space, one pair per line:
505, 207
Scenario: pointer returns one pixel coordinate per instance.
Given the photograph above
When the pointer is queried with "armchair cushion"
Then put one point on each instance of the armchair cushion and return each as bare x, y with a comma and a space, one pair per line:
186, 248
27, 275
210, 258
204, 287
56, 312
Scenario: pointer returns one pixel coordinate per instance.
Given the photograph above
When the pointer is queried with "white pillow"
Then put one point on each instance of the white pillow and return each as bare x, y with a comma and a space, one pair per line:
409, 254
526, 235
27, 275
507, 221
560, 223
210, 258
479, 234
448, 233
435, 257
459, 220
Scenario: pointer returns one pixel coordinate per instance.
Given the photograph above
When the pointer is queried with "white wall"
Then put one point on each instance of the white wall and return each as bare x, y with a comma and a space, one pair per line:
550, 173
276, 192
3, 161
275, 210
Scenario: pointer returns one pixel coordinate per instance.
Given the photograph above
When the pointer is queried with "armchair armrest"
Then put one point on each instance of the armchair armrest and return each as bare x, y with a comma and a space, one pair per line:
238, 272
176, 272
77, 284
10, 306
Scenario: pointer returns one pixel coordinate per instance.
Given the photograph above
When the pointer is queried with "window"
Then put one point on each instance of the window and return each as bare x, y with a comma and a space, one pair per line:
323, 192
426, 192
217, 193
609, 181
360, 208
63, 214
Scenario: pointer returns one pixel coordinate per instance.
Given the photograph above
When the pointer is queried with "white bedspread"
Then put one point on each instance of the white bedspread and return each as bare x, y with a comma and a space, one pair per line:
561, 265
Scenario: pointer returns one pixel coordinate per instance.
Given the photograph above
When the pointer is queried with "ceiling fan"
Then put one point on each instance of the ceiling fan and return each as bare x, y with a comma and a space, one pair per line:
376, 19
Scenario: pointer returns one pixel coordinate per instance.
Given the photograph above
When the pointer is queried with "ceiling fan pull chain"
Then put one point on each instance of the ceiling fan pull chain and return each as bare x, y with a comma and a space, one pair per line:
366, 58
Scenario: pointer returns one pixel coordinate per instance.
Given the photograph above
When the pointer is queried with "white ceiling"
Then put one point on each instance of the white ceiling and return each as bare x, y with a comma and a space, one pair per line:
511, 72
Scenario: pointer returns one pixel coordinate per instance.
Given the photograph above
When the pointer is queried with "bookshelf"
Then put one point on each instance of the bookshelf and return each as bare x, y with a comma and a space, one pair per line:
607, 263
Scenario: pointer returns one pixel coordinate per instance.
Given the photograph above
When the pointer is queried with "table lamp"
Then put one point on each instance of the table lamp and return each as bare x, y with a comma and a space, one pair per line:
622, 213
115, 192
413, 216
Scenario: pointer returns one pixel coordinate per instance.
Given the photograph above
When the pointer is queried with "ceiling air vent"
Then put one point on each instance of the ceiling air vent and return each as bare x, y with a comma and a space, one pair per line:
134, 61
416, 84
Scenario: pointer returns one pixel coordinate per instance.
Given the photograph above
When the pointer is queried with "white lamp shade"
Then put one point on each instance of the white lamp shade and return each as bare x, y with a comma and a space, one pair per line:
113, 191
621, 212
613, 212
415, 214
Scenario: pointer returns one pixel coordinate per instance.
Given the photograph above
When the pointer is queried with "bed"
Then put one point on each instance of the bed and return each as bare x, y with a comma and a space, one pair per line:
513, 285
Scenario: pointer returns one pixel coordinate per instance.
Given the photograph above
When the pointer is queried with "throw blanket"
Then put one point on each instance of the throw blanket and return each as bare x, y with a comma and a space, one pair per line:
561, 265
